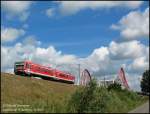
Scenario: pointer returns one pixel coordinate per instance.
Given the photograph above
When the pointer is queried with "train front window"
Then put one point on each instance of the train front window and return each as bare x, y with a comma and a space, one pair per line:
19, 65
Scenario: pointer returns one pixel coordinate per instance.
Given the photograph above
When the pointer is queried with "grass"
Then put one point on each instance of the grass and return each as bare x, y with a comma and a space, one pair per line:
34, 95
104, 100
49, 96
123, 101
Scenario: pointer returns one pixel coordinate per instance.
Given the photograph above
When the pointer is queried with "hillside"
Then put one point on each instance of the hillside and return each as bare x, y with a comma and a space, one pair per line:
25, 94
34, 92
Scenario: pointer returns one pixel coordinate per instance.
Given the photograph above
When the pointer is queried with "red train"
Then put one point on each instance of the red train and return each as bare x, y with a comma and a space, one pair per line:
31, 69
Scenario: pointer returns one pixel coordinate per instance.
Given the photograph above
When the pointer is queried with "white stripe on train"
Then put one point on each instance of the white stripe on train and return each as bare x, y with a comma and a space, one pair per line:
47, 75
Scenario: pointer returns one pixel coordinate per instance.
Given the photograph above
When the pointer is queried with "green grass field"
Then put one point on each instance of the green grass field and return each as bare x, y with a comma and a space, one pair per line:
25, 94
43, 94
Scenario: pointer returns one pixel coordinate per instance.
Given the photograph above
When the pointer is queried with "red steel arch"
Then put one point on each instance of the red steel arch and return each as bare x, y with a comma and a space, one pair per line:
85, 77
122, 77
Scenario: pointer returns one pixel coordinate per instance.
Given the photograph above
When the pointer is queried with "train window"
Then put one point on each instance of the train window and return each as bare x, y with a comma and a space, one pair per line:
19, 65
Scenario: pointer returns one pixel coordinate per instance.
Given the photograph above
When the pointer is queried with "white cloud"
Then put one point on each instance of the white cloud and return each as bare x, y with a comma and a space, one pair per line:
72, 7
9, 70
101, 53
31, 40
127, 50
100, 62
99, 59
133, 81
115, 27
134, 25
24, 16
92, 61
16, 8
139, 64
11, 54
10, 34
22, 51
49, 12
52, 56
95, 61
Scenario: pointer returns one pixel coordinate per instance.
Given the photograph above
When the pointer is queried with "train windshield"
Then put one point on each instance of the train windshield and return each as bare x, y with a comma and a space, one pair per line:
19, 65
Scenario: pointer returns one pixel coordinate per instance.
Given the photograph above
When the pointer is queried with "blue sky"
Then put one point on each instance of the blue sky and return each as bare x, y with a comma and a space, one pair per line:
78, 31
77, 34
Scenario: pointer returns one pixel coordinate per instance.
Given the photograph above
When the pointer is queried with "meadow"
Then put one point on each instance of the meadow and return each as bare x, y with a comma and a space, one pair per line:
25, 94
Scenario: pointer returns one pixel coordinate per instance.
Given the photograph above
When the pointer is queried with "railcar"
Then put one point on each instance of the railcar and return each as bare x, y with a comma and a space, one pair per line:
30, 69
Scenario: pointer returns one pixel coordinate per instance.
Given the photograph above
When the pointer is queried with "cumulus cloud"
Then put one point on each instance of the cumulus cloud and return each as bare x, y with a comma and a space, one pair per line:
127, 50
96, 60
24, 16
134, 25
139, 64
16, 8
10, 34
103, 61
72, 7
52, 56
23, 51
133, 80
106, 61
31, 40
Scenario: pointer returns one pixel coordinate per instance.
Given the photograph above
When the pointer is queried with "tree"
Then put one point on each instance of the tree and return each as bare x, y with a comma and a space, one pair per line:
145, 87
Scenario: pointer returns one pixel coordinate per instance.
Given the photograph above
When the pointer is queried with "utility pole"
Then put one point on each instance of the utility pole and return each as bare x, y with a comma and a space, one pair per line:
104, 80
79, 73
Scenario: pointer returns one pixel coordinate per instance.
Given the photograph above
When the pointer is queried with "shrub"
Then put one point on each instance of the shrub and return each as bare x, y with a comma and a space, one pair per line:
80, 100
98, 103
88, 99
114, 86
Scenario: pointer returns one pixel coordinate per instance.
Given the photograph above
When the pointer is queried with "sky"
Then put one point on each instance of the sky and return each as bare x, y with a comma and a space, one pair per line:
102, 36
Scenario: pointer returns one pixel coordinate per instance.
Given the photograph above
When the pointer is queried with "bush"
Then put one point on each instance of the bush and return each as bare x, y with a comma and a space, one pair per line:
94, 99
99, 101
80, 100
114, 86
88, 99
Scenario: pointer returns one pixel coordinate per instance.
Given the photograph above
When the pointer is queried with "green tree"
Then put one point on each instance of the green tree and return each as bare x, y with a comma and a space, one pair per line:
145, 83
